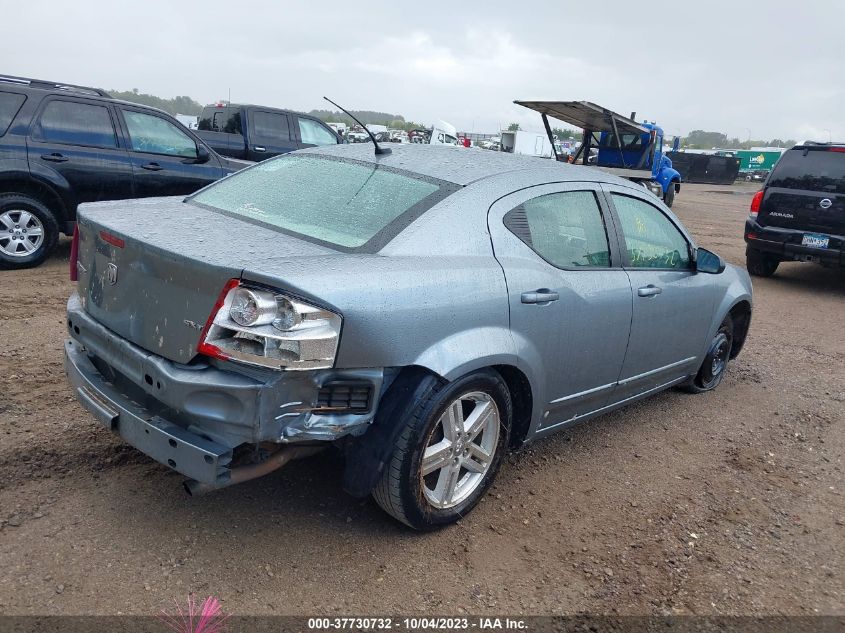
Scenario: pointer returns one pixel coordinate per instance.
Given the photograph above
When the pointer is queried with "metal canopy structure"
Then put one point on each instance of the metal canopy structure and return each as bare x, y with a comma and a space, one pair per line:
594, 119
585, 115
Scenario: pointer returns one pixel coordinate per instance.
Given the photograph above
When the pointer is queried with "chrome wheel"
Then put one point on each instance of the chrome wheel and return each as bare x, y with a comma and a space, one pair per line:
21, 233
460, 449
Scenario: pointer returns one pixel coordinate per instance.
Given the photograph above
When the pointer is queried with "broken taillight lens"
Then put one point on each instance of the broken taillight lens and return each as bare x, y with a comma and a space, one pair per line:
266, 327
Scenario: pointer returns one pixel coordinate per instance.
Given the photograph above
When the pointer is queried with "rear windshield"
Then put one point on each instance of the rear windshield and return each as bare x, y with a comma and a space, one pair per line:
345, 204
10, 103
814, 169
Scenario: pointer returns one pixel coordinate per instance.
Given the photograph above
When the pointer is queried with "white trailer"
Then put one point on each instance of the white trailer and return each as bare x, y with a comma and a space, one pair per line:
526, 143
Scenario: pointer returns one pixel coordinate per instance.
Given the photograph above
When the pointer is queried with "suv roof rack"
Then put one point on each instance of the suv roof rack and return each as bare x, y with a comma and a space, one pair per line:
53, 85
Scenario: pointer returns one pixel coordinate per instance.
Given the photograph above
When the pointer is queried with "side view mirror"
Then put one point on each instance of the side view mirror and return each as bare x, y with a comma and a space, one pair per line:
708, 262
676, 144
203, 155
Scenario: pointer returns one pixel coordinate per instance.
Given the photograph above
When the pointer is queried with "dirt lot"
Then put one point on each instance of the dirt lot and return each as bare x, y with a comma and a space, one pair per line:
729, 502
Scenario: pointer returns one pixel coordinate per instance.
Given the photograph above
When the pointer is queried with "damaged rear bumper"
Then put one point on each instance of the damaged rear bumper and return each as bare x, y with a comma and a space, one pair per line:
191, 417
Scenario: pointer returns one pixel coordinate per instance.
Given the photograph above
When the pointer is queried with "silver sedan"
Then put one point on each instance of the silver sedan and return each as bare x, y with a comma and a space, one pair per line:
425, 311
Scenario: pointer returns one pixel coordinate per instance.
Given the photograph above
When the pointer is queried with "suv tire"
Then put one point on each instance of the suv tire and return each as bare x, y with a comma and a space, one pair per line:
760, 264
461, 464
20, 217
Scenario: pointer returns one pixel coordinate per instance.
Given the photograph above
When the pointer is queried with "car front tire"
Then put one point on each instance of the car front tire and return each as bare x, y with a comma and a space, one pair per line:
28, 231
760, 264
715, 363
448, 453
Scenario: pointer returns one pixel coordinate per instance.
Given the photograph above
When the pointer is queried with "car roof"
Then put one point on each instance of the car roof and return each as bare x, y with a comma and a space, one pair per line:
462, 166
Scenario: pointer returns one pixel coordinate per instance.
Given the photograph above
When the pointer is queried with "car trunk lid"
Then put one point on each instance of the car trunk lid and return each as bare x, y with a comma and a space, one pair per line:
151, 270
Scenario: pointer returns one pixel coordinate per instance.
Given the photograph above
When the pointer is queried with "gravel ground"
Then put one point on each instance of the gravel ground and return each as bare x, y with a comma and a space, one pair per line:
725, 503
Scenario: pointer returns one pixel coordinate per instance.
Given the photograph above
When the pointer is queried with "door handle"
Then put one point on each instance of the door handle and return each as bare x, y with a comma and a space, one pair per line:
55, 157
258, 148
649, 291
152, 167
541, 296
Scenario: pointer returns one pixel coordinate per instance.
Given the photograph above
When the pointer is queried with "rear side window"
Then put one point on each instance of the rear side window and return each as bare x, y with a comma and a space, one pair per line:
339, 203
227, 119
10, 103
811, 169
76, 123
271, 126
566, 229
315, 134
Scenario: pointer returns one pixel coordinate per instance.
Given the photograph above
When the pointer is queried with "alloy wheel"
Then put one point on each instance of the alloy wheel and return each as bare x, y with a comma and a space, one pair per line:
460, 449
21, 233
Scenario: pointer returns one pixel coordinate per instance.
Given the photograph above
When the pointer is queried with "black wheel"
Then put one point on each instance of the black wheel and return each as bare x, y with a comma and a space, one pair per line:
448, 453
715, 361
760, 264
669, 196
28, 231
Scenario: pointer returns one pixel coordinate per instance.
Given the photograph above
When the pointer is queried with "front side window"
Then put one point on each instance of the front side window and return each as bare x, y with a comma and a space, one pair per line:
154, 135
10, 103
76, 123
651, 240
336, 202
271, 126
313, 133
566, 229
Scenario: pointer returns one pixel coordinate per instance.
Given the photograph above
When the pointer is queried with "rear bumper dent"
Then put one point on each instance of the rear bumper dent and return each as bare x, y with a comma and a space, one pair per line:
193, 456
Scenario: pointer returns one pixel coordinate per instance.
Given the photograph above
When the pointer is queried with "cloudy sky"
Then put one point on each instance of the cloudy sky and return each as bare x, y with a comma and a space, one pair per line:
765, 69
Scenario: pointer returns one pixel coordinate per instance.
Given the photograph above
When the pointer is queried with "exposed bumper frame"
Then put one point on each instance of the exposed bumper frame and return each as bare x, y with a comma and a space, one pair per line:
167, 443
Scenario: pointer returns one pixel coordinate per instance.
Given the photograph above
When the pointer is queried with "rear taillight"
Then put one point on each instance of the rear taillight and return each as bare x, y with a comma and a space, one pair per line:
836, 149
206, 348
74, 254
260, 326
755, 203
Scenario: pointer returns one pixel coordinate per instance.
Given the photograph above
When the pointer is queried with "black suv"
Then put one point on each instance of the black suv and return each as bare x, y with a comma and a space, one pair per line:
800, 213
62, 145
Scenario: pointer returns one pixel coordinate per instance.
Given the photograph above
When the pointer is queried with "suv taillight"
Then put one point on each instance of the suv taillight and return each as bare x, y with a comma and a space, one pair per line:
755, 203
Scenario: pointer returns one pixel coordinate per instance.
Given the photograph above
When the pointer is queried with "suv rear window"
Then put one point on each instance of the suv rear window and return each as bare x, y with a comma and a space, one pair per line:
810, 169
10, 103
344, 204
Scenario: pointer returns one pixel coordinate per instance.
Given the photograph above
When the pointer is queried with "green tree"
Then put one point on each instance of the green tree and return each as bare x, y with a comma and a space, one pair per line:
513, 127
699, 139
176, 105
563, 134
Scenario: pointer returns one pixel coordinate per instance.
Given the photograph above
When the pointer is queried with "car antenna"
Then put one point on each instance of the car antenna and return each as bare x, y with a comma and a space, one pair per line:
379, 149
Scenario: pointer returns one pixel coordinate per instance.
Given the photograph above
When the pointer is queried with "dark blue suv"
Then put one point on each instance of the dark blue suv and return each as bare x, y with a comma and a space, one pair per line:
62, 145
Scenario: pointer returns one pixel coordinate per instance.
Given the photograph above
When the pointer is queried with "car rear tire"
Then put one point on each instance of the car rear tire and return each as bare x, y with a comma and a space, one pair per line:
669, 196
448, 453
28, 231
715, 362
760, 264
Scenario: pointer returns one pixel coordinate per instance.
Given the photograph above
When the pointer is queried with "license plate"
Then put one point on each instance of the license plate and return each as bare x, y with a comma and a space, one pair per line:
815, 240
